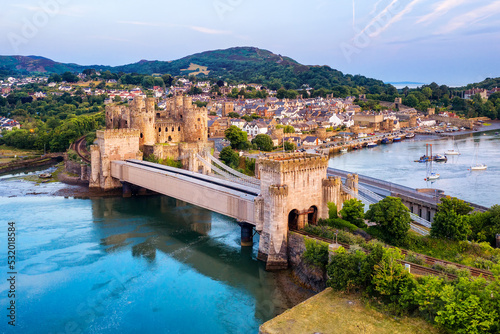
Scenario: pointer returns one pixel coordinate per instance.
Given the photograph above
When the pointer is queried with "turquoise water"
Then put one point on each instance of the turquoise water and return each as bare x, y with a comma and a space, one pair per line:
150, 265
395, 163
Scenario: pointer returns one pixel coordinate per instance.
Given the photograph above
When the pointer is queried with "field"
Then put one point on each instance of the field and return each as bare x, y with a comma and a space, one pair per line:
194, 69
8, 154
333, 312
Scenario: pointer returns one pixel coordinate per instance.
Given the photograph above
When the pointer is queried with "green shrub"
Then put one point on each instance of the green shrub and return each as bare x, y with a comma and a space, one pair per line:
316, 253
415, 258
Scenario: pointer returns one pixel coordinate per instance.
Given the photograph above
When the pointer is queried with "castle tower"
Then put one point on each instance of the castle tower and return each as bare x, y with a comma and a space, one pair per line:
292, 190
178, 106
195, 122
111, 145
142, 117
227, 107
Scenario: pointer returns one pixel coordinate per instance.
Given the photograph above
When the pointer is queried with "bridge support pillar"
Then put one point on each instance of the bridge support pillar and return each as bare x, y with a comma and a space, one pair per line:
498, 240
246, 234
127, 190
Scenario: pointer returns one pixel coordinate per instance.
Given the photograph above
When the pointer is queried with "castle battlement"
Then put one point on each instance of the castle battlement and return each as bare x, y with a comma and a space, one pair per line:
117, 133
280, 163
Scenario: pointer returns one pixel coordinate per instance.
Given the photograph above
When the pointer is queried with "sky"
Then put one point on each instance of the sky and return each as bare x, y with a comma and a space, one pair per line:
451, 42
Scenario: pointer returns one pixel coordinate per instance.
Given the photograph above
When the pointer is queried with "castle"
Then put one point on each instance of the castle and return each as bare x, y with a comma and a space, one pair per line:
179, 132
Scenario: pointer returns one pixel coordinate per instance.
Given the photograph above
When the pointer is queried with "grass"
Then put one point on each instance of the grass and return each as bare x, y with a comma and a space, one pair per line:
334, 312
8, 154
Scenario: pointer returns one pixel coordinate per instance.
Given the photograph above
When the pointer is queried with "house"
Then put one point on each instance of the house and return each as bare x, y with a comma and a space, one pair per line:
311, 141
240, 123
469, 94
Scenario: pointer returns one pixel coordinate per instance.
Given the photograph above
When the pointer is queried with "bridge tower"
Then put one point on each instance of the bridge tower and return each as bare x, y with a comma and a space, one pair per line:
295, 191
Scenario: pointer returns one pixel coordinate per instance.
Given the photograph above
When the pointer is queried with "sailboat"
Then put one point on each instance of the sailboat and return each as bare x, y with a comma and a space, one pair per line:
430, 174
452, 152
476, 165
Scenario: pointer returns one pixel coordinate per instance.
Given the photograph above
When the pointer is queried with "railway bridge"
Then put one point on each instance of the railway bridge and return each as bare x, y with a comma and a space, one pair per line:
291, 190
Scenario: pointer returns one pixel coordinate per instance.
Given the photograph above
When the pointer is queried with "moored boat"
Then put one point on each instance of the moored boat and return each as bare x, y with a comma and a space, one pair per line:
396, 139
385, 141
371, 144
410, 135
479, 167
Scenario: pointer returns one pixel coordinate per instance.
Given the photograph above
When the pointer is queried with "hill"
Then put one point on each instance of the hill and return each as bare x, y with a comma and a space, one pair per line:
242, 64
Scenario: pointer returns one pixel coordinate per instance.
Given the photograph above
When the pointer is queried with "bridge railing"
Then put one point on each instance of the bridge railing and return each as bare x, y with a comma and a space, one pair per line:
227, 175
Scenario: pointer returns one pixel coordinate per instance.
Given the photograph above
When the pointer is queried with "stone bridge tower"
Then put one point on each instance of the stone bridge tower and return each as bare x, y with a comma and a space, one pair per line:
295, 191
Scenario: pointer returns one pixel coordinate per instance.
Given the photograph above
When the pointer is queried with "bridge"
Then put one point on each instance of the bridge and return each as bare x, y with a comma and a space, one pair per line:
289, 191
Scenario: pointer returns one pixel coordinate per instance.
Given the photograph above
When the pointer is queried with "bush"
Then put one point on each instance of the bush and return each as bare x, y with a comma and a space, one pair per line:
353, 211
344, 270
316, 253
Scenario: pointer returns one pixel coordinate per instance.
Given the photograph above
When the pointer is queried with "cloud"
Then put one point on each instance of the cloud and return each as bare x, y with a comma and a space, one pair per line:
441, 9
209, 31
386, 18
471, 17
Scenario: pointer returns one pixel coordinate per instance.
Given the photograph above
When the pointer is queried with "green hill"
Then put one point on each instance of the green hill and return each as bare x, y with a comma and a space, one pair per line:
241, 64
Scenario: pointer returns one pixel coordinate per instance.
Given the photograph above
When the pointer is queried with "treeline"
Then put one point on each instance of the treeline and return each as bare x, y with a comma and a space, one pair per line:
465, 305
56, 139
52, 122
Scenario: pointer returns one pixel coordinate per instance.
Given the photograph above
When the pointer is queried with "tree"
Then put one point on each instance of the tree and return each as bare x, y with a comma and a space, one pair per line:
263, 142
69, 77
290, 146
353, 211
233, 114
236, 136
485, 225
229, 156
289, 129
451, 220
392, 218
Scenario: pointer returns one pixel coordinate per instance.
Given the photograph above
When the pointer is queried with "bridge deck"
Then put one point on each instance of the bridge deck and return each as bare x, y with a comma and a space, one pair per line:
227, 198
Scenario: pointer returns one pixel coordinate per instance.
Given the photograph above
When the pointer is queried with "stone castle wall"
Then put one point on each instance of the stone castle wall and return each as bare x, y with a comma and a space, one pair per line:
111, 145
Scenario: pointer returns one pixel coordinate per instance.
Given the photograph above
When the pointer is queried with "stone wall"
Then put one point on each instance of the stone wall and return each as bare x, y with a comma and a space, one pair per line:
310, 276
466, 123
112, 145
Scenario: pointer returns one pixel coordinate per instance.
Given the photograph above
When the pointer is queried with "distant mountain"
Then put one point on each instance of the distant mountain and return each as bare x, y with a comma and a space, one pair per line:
246, 64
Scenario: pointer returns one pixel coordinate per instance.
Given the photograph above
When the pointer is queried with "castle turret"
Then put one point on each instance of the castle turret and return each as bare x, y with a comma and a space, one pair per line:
142, 117
195, 122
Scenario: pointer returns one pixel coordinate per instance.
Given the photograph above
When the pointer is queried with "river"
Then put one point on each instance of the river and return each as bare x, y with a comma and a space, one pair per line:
142, 264
395, 163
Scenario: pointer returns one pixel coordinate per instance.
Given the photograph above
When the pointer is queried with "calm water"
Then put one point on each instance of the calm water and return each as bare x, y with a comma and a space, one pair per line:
150, 265
395, 163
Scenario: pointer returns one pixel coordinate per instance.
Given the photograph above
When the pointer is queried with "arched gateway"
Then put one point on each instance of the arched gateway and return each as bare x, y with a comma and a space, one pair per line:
295, 191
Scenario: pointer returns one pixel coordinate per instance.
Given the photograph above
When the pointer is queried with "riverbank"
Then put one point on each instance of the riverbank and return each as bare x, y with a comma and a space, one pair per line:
333, 312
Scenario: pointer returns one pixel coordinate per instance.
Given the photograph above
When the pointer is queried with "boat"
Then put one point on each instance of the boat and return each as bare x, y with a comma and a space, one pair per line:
410, 135
439, 158
396, 139
453, 152
371, 144
479, 167
476, 165
45, 176
385, 141
344, 150
432, 176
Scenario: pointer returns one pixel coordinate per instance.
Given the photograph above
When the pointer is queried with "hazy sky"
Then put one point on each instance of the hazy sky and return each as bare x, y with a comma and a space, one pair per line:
448, 41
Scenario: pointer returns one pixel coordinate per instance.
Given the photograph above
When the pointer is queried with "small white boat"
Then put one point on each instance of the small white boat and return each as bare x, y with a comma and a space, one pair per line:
371, 144
479, 167
432, 176
344, 150
451, 152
